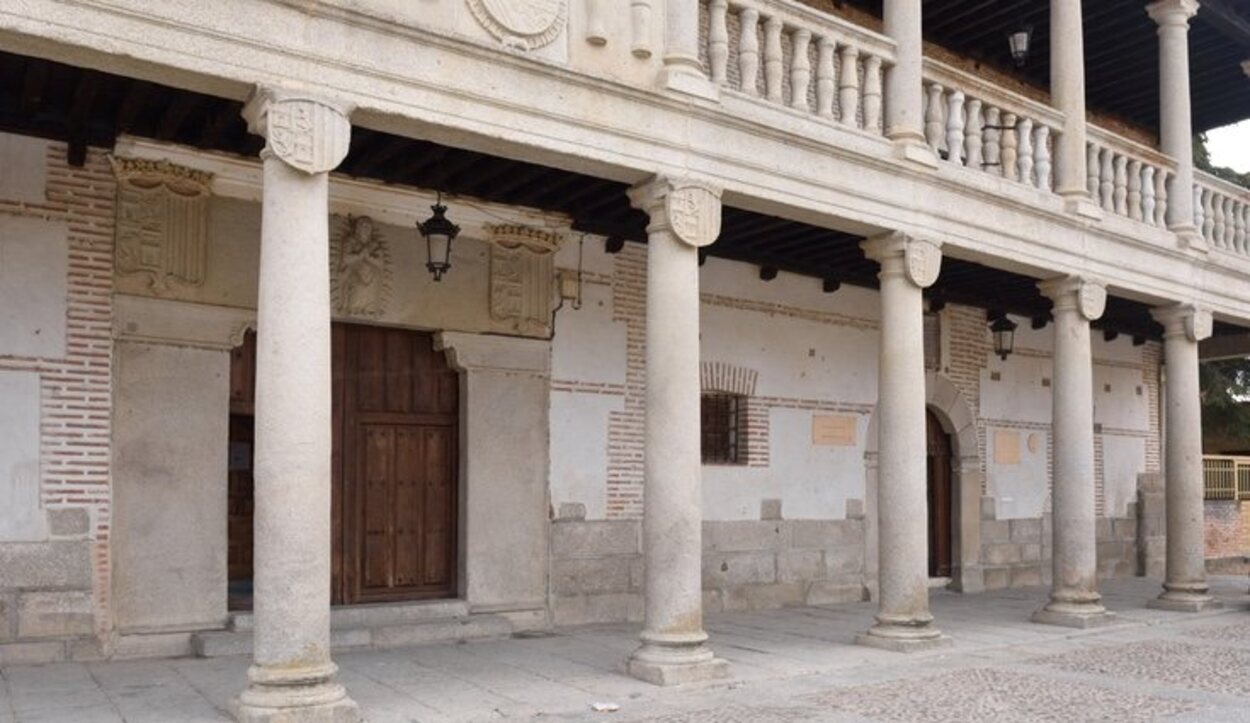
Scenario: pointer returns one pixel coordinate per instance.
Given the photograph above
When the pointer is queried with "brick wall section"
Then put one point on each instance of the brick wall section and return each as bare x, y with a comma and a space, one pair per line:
1225, 532
625, 427
59, 589
969, 346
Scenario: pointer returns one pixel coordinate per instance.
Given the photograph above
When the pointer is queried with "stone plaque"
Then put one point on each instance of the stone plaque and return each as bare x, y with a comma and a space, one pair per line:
834, 430
1006, 447
162, 222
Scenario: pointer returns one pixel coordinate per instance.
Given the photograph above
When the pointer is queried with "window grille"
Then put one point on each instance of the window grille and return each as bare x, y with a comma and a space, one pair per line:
723, 428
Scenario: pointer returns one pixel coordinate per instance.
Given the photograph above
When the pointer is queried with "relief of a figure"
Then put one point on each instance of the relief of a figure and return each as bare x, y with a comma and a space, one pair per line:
360, 268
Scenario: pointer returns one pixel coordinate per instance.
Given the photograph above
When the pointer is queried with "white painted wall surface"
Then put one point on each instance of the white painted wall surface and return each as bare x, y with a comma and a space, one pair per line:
1123, 458
34, 260
24, 172
22, 516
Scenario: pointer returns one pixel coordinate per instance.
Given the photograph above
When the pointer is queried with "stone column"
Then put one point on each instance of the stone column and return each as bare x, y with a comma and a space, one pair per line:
1185, 584
1175, 126
1067, 89
292, 676
1074, 598
685, 215
903, 622
683, 71
904, 88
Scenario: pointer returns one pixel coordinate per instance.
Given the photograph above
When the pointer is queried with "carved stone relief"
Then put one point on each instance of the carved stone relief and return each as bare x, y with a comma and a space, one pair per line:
521, 24
522, 277
162, 222
360, 268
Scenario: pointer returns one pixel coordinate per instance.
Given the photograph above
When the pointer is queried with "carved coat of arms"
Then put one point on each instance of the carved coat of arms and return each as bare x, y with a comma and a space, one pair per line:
522, 273
162, 222
522, 24
360, 269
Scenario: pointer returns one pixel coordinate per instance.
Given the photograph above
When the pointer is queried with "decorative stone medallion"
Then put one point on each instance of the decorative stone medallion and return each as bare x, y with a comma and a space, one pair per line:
308, 135
162, 222
694, 212
1091, 299
521, 24
1199, 325
360, 269
923, 262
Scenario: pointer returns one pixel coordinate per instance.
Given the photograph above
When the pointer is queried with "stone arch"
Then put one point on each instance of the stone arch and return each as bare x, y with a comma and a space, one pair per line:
956, 415
728, 378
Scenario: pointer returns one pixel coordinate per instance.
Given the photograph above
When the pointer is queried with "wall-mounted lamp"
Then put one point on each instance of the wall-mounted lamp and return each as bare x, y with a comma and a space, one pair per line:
1004, 331
1019, 41
438, 233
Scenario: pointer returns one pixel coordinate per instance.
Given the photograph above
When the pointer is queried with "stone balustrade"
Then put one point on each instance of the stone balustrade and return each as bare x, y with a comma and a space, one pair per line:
1128, 179
1222, 213
788, 55
975, 124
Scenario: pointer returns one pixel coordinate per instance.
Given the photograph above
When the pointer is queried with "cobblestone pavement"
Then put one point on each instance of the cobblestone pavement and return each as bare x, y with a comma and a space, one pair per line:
788, 665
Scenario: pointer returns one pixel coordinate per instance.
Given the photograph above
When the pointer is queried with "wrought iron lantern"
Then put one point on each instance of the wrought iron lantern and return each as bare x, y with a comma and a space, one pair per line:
1004, 331
1019, 40
438, 233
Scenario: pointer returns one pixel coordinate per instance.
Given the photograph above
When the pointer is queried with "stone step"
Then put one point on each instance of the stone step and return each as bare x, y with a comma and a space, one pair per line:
372, 616
220, 643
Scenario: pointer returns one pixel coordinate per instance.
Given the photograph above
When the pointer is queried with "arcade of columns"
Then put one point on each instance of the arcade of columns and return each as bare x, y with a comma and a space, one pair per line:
306, 137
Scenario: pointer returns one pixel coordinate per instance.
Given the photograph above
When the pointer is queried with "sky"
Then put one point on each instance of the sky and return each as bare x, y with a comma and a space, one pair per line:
1230, 146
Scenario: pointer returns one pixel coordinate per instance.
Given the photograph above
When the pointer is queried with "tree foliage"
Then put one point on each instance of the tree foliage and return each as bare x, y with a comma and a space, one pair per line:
1225, 388
1202, 159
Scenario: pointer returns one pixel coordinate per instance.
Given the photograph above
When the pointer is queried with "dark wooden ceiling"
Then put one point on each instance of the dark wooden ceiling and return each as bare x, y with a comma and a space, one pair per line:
1121, 51
85, 107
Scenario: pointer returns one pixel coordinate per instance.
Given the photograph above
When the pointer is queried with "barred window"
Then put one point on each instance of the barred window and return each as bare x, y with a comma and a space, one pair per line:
724, 428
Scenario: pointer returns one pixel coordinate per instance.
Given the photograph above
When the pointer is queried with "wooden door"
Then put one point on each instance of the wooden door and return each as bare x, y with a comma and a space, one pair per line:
939, 498
398, 449
393, 460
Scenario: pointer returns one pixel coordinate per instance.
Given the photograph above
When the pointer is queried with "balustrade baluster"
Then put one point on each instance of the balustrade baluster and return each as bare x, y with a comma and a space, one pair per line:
955, 128
1208, 215
1161, 197
800, 70
1010, 143
640, 28
1239, 227
1120, 179
1217, 205
992, 149
1043, 158
1091, 171
1134, 190
825, 82
934, 124
973, 138
749, 51
872, 93
1229, 227
773, 60
718, 40
1200, 213
1148, 194
1024, 130
848, 86
1106, 180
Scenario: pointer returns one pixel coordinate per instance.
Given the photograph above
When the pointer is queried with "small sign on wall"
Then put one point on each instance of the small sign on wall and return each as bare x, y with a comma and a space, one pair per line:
1006, 447
834, 430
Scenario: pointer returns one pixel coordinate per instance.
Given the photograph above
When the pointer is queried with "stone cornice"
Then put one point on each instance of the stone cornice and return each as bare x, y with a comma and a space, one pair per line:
797, 166
486, 352
179, 323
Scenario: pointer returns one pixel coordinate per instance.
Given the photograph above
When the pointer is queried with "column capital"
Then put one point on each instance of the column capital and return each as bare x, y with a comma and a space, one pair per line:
919, 260
1190, 320
1076, 293
1172, 12
308, 133
689, 208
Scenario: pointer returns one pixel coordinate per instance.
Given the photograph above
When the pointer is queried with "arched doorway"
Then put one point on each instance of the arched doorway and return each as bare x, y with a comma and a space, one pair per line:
940, 498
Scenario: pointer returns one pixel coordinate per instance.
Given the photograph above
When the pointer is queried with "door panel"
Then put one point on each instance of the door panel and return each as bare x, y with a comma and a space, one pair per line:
940, 498
400, 431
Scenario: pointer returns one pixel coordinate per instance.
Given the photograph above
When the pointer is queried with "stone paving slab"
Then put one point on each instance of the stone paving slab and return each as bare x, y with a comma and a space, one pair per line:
794, 664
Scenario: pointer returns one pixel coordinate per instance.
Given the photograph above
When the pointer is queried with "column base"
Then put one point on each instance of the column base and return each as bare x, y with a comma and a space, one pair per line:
904, 636
1083, 206
683, 80
1185, 600
296, 702
666, 665
1188, 237
915, 152
1074, 614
